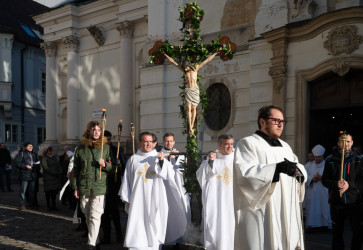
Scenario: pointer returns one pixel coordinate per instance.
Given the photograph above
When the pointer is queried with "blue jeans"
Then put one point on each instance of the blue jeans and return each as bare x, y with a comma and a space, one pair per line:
23, 187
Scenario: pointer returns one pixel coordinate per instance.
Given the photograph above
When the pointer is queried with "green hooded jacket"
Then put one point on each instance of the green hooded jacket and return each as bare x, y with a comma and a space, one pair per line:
86, 170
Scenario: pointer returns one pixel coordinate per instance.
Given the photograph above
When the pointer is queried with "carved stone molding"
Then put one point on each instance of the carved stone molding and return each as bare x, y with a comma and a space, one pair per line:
6, 42
279, 83
71, 42
278, 76
342, 66
96, 33
343, 39
303, 9
50, 48
126, 29
278, 69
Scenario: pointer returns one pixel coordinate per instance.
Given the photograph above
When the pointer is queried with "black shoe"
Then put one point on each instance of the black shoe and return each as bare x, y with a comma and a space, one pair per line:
98, 247
90, 247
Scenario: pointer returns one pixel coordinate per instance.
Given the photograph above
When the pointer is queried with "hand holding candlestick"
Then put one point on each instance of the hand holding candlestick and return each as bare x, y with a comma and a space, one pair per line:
118, 163
133, 137
103, 119
343, 140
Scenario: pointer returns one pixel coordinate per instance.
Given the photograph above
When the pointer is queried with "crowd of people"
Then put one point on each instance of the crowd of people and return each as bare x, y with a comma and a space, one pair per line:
251, 191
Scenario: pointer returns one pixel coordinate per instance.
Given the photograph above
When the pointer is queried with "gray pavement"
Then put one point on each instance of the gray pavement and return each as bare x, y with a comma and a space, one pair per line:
41, 229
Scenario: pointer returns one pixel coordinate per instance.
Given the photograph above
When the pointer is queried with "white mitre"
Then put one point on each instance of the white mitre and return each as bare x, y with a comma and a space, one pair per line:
318, 150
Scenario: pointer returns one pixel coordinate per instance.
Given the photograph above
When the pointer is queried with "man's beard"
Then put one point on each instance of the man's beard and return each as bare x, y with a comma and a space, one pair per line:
271, 134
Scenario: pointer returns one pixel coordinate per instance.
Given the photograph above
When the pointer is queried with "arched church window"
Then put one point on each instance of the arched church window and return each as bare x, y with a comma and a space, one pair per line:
218, 112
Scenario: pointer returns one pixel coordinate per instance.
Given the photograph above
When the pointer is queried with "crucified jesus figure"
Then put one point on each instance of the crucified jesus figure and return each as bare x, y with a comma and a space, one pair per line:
192, 99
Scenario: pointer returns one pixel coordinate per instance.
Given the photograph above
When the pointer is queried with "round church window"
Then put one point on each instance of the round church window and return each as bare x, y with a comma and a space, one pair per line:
218, 112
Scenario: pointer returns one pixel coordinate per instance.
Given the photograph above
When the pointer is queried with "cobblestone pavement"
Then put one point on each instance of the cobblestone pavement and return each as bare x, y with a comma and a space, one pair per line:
30, 229
41, 229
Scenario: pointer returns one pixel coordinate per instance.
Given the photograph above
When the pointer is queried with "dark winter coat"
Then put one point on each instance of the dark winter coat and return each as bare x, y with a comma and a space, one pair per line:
353, 174
24, 158
52, 173
85, 172
5, 157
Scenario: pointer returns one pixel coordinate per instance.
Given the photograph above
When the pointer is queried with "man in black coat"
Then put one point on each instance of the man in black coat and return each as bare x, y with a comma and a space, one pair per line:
112, 205
5, 168
345, 196
28, 164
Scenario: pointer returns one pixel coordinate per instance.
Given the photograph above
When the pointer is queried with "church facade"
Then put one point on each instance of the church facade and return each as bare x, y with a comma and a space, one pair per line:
305, 56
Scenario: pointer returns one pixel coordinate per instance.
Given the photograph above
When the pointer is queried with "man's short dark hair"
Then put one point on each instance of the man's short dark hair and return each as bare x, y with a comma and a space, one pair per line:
222, 138
265, 113
27, 144
167, 135
90, 125
340, 135
107, 133
155, 139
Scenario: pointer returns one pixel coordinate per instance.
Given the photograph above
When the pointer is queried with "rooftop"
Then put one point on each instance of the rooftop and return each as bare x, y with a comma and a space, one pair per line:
16, 19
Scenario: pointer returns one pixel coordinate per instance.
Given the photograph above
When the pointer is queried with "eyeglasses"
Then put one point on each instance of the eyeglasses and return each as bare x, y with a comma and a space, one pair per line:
277, 121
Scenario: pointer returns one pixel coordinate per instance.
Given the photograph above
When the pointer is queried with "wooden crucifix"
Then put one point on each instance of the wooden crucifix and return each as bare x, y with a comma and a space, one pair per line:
191, 56
191, 91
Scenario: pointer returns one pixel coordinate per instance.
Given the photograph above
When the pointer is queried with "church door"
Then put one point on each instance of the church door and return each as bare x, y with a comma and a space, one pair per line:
336, 104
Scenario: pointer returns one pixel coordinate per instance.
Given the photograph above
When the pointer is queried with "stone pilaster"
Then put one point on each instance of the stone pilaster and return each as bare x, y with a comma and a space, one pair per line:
6, 44
72, 43
126, 72
278, 69
50, 92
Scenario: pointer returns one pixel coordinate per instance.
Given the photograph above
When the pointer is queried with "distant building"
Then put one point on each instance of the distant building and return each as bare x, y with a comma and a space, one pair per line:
305, 56
22, 75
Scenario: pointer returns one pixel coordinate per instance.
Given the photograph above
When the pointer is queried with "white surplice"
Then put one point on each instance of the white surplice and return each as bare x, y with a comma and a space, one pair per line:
144, 193
217, 199
316, 198
268, 214
179, 215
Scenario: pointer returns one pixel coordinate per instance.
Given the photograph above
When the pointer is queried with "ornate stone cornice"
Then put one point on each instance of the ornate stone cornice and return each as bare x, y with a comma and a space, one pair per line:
96, 33
50, 48
71, 42
125, 28
343, 39
324, 22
